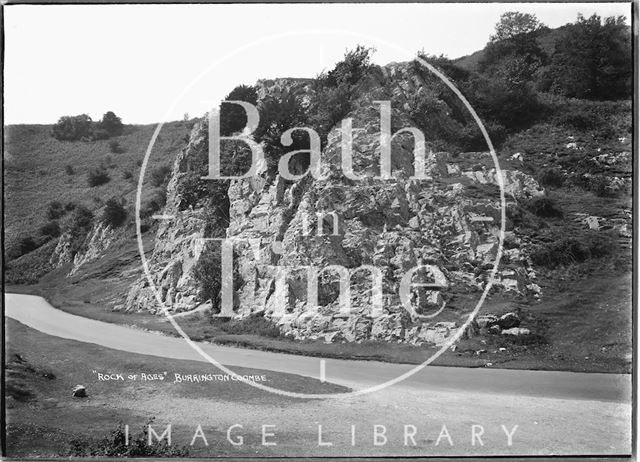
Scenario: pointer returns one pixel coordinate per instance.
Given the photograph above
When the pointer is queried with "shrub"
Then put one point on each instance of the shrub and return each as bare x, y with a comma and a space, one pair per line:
192, 190
115, 147
498, 99
127, 174
470, 137
79, 221
432, 115
568, 250
115, 445
154, 203
254, 324
551, 177
278, 115
69, 170
50, 229
352, 68
159, 175
72, 128
26, 245
98, 176
55, 210
99, 134
77, 224
543, 207
111, 124
114, 213
69, 206
233, 118
207, 273
333, 92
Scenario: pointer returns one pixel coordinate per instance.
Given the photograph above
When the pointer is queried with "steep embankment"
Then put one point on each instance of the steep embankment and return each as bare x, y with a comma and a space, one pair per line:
40, 171
445, 225
567, 181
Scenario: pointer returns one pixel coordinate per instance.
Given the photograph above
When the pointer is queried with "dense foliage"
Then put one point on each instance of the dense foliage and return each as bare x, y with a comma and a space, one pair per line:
116, 445
114, 213
81, 127
233, 117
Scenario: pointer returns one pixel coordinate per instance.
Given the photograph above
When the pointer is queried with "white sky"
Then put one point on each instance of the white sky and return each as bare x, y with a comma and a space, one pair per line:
137, 60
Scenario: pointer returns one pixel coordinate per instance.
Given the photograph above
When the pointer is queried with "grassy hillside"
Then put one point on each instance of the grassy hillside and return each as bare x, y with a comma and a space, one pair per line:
577, 236
36, 169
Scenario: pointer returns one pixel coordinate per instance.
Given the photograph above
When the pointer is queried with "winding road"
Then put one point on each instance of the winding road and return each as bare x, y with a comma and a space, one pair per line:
556, 412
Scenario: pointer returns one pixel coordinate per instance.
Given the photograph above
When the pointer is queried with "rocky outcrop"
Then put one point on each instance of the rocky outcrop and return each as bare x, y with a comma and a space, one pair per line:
444, 228
93, 246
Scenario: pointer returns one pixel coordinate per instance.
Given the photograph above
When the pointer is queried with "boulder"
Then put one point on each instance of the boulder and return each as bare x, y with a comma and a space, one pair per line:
486, 320
516, 331
79, 391
509, 320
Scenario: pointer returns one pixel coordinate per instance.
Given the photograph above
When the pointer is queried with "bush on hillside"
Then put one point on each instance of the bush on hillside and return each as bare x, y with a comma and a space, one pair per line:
116, 445
351, 69
99, 134
69, 170
569, 250
551, 177
114, 213
55, 210
592, 60
278, 115
333, 92
193, 191
50, 229
111, 124
543, 207
115, 147
78, 222
233, 117
160, 175
254, 324
98, 177
26, 245
154, 203
73, 128
470, 138
207, 273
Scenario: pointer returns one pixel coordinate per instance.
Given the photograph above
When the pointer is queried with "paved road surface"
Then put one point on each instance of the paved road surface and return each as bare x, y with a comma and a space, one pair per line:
556, 412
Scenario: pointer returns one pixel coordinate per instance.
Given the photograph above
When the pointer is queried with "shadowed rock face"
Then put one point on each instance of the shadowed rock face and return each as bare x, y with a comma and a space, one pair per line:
447, 225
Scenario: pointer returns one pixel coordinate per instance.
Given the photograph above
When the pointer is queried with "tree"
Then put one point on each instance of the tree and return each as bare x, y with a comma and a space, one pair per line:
278, 115
72, 128
514, 48
514, 24
352, 68
233, 118
592, 60
111, 123
333, 92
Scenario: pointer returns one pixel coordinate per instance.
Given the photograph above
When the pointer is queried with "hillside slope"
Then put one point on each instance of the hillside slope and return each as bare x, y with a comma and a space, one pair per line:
568, 178
39, 170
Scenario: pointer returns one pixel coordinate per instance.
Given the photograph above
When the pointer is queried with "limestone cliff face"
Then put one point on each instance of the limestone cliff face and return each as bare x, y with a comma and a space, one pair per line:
446, 224
94, 245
